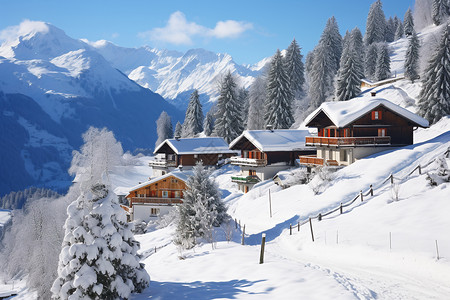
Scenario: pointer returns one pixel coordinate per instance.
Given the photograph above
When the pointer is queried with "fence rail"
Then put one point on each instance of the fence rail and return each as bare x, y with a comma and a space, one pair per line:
347, 141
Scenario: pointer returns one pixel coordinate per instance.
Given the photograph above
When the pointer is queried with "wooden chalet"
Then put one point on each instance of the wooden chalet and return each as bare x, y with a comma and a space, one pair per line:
187, 152
266, 152
157, 196
350, 130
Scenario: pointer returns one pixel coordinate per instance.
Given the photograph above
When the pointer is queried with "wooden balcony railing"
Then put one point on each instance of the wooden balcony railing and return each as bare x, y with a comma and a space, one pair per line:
245, 179
156, 200
251, 162
316, 161
347, 141
162, 163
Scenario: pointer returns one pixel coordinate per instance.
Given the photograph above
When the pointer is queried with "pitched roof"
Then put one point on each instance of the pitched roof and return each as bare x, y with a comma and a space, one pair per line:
206, 145
342, 113
182, 175
275, 140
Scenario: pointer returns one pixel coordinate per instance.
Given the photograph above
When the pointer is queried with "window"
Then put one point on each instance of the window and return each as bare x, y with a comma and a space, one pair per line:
165, 194
177, 194
154, 211
346, 132
376, 115
174, 180
381, 131
344, 155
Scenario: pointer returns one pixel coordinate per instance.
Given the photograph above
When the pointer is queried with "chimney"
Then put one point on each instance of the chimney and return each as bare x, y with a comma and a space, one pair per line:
373, 94
177, 137
269, 127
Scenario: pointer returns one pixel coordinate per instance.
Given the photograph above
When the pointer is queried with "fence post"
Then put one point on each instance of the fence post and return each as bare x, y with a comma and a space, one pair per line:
420, 170
340, 208
312, 233
263, 242
155, 249
319, 217
390, 241
371, 190
243, 236
239, 223
361, 195
437, 249
235, 223
392, 178
290, 229
298, 226
337, 237
270, 204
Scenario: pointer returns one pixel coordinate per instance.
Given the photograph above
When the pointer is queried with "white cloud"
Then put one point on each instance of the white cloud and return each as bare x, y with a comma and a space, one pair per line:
180, 32
115, 35
25, 27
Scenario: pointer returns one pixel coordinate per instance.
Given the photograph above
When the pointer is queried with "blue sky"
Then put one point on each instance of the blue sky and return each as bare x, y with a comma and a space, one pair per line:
247, 30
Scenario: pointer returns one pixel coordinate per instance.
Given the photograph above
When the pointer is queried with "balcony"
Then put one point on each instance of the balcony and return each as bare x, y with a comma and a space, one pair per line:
162, 163
312, 160
252, 179
251, 162
348, 141
156, 200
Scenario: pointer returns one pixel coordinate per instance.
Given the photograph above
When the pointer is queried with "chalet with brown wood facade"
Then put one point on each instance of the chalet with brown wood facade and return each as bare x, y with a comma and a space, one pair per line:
156, 197
266, 152
350, 130
172, 153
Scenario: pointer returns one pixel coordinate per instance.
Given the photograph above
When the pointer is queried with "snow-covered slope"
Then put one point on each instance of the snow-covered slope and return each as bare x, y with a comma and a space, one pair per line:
173, 74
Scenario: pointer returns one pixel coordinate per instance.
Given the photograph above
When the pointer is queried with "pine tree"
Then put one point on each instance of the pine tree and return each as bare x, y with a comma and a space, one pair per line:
164, 128
209, 123
309, 65
408, 23
441, 11
201, 210
383, 66
412, 58
257, 97
434, 98
294, 68
327, 55
375, 24
390, 30
278, 105
193, 121
351, 70
423, 13
243, 99
370, 61
178, 130
228, 124
399, 31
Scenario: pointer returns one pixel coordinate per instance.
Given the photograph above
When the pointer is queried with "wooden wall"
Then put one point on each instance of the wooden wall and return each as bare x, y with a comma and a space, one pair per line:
155, 189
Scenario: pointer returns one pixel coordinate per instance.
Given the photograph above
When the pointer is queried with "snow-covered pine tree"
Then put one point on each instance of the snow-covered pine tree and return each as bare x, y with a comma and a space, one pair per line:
399, 31
408, 23
370, 61
278, 104
434, 98
351, 71
178, 130
202, 208
228, 124
390, 30
209, 123
358, 43
243, 99
257, 97
309, 64
412, 58
294, 68
327, 55
375, 24
442, 173
422, 13
440, 11
383, 66
164, 128
193, 121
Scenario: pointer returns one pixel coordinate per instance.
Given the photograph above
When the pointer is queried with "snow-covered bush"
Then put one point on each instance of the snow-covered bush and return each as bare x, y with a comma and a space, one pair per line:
322, 178
442, 173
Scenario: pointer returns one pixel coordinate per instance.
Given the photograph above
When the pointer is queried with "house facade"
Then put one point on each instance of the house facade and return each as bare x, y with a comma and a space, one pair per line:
350, 130
186, 152
156, 197
266, 152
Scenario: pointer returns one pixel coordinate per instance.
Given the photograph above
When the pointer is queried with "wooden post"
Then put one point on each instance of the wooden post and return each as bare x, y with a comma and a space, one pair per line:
437, 249
371, 190
235, 223
312, 233
243, 236
340, 208
270, 204
420, 170
239, 223
337, 237
290, 229
361, 195
392, 178
319, 217
155, 249
298, 226
263, 242
390, 241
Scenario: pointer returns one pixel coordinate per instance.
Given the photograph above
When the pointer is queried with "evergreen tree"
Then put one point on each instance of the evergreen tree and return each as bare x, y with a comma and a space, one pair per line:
423, 13
257, 97
350, 72
358, 43
178, 130
440, 11
327, 55
412, 58
383, 66
399, 31
434, 98
164, 128
294, 68
309, 64
375, 24
390, 30
201, 210
209, 123
408, 23
193, 121
370, 61
278, 105
243, 99
228, 124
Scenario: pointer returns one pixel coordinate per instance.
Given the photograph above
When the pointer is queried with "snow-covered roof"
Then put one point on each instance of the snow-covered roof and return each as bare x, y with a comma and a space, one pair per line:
182, 175
343, 113
206, 145
275, 140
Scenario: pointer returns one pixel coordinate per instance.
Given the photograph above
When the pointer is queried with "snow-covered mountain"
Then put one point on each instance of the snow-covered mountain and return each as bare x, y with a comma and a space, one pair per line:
173, 74
52, 88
